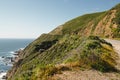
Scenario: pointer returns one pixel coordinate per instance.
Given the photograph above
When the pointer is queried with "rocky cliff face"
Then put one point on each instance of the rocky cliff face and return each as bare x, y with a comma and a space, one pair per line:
71, 46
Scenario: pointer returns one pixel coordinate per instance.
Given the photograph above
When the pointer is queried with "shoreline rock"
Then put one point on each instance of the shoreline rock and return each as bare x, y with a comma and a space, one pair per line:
15, 59
16, 56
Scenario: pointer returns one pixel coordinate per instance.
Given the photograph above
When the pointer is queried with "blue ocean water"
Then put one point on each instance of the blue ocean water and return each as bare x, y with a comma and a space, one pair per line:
7, 49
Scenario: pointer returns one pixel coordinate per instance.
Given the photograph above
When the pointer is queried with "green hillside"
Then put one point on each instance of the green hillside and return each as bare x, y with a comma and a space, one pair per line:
73, 45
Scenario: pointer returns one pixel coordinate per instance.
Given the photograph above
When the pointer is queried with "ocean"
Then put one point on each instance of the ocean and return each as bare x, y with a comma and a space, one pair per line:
7, 49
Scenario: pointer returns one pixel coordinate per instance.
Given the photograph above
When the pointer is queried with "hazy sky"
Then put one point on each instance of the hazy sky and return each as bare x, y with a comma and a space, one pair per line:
30, 18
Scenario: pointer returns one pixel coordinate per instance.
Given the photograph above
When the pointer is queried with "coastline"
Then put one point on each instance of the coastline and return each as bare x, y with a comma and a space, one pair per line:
13, 59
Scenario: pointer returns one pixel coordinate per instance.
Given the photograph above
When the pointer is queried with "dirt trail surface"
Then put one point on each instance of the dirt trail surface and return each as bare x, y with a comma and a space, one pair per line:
86, 75
116, 46
93, 74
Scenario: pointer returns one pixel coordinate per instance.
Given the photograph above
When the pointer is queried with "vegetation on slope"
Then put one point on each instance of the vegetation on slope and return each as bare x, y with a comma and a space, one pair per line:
79, 23
73, 48
100, 24
72, 51
116, 31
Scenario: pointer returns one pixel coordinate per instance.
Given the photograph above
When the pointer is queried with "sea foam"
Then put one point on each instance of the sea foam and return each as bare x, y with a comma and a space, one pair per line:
2, 75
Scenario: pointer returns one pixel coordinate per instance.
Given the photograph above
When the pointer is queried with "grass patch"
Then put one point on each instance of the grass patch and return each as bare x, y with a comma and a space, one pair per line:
95, 53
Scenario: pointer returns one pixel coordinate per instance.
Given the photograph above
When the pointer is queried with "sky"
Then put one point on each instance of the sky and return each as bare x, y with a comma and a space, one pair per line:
31, 18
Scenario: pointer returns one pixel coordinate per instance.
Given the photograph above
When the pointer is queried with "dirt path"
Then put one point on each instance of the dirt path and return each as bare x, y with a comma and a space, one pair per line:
86, 75
116, 45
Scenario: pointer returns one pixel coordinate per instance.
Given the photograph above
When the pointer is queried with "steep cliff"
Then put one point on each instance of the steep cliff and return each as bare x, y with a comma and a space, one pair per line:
72, 45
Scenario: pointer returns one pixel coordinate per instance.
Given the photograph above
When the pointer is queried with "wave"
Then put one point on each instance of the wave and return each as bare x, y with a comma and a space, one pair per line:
2, 75
21, 49
12, 52
5, 61
0, 57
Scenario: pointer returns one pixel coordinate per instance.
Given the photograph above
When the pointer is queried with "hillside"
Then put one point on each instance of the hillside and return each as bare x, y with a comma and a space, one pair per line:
70, 47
